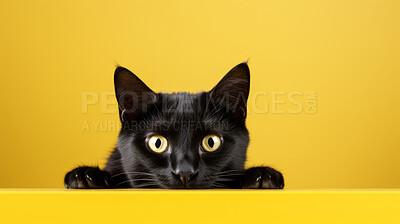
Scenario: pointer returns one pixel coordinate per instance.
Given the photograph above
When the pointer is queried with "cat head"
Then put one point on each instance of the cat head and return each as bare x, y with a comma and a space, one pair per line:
182, 140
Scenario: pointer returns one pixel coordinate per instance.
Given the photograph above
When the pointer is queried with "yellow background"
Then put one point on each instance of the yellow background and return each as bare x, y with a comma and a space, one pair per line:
54, 52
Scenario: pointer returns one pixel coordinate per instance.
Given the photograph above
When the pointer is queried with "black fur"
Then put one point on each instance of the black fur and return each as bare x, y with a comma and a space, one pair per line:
184, 119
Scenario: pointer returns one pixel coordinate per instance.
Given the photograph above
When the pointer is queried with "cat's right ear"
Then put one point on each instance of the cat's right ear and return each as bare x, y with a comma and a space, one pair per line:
132, 94
233, 90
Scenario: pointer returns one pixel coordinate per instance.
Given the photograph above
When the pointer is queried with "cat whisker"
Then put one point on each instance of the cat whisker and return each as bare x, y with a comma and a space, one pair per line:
230, 175
228, 171
123, 182
143, 180
132, 181
226, 181
139, 173
146, 185
218, 185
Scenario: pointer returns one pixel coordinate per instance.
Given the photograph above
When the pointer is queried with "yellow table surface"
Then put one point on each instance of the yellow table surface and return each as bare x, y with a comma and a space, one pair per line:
199, 206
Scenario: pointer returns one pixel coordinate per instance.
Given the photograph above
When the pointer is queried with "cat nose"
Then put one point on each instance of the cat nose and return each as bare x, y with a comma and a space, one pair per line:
185, 175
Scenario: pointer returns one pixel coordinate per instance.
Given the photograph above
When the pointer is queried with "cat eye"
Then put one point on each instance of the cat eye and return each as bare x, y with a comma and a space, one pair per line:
211, 143
157, 143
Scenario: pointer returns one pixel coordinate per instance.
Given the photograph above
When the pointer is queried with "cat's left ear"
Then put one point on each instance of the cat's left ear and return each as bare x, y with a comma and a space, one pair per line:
233, 90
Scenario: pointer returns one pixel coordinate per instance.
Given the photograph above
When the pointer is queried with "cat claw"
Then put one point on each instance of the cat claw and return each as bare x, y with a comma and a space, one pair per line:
87, 178
262, 178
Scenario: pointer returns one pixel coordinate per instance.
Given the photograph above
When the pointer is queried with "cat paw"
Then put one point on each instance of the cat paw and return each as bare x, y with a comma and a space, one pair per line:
262, 178
86, 177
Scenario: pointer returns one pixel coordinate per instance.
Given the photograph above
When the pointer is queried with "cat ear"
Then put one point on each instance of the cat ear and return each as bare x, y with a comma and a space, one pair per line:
132, 94
233, 90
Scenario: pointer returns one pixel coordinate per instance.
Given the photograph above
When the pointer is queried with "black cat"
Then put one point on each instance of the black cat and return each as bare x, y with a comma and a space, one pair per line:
179, 140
